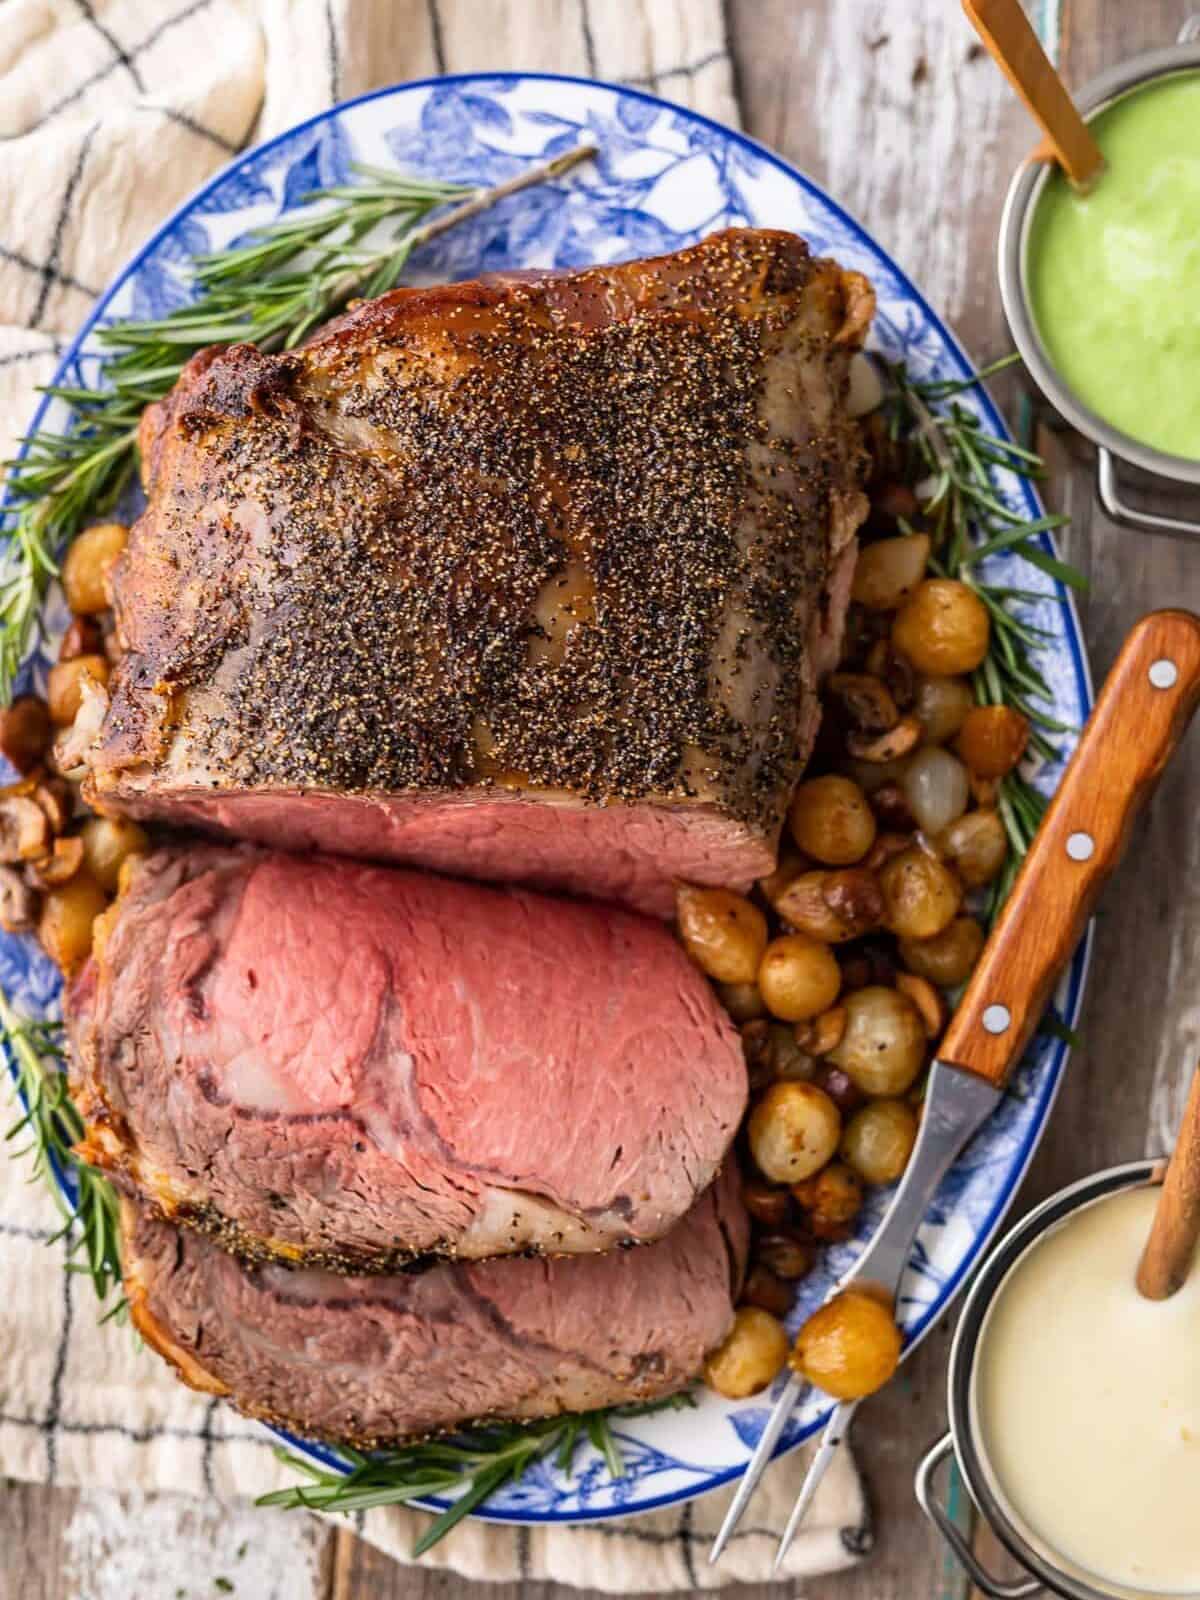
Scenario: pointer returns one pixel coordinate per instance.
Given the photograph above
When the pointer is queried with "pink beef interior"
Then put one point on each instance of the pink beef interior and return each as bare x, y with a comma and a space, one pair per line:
354, 1064
380, 1358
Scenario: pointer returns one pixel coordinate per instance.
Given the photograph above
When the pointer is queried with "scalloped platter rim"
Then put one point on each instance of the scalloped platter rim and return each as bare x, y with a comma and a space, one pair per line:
664, 177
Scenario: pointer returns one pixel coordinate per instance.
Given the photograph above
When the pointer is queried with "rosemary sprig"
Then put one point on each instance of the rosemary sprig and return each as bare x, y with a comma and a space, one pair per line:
51, 1125
950, 450
273, 289
471, 1465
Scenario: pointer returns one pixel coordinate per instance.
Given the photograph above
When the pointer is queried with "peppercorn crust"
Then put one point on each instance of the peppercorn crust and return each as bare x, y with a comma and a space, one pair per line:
556, 535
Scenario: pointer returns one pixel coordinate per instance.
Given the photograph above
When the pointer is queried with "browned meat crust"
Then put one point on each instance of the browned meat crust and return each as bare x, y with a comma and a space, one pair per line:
566, 536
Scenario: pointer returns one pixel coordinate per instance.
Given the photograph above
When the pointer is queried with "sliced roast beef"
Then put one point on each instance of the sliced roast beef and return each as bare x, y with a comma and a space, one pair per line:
350, 1065
523, 580
367, 1360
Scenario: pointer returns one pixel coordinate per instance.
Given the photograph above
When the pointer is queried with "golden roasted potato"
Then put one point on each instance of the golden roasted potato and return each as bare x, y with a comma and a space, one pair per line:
834, 1195
798, 977
992, 740
87, 564
849, 1347
724, 933
883, 1047
889, 570
793, 1131
921, 894
107, 843
742, 1001
831, 821
65, 925
949, 957
943, 628
879, 1139
751, 1357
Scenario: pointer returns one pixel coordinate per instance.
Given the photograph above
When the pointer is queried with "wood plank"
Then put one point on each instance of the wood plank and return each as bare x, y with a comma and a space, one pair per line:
100, 1545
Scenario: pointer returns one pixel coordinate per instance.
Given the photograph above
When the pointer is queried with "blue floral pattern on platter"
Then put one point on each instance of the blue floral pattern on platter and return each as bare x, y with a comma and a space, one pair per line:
663, 178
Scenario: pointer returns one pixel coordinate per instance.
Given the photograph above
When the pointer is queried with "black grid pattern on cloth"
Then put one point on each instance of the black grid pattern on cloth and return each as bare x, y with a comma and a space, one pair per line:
216, 1426
120, 57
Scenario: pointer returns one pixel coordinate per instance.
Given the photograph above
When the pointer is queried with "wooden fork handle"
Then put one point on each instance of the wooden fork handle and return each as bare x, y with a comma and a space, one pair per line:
1141, 715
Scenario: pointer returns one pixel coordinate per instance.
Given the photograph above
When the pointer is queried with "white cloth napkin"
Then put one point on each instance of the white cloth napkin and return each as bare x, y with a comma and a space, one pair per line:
111, 113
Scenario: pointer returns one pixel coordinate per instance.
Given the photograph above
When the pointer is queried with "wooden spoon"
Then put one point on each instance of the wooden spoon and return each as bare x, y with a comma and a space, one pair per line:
1167, 1258
1009, 36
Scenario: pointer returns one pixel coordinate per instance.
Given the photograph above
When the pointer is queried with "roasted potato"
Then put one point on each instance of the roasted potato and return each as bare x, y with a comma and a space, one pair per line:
883, 1047
921, 894
798, 977
879, 1139
992, 740
949, 957
65, 924
724, 933
87, 564
943, 628
793, 1131
849, 1347
107, 843
889, 570
751, 1356
831, 821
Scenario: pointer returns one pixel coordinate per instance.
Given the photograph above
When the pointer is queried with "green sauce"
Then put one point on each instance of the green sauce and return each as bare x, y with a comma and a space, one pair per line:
1114, 276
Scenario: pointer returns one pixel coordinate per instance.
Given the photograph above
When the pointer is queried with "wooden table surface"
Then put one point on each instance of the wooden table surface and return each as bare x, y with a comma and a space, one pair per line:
893, 106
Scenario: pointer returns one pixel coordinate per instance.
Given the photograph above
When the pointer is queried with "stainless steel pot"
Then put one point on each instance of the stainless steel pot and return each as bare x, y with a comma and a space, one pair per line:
1024, 192
1046, 1571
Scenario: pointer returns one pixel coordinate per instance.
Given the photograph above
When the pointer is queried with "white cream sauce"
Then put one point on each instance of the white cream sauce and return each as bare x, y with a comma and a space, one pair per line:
1086, 1403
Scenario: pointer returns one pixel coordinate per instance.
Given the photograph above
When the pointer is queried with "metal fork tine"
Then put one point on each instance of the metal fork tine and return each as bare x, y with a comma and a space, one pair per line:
763, 1452
835, 1432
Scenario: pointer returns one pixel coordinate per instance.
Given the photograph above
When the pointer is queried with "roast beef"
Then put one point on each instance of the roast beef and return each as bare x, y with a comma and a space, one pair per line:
351, 1065
368, 1360
525, 579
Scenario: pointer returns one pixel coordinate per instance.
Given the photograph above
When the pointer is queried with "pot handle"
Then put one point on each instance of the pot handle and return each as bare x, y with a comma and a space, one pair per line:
938, 1515
1109, 493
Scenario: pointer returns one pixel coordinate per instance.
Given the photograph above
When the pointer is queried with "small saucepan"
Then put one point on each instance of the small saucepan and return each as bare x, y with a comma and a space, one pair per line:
1046, 1569
1027, 188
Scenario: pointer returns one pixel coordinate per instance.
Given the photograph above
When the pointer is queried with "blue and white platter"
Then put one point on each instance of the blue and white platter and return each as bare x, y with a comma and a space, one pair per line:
664, 177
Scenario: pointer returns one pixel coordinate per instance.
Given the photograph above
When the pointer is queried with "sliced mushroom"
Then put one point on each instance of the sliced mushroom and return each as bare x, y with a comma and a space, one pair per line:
56, 800
823, 1033
61, 865
24, 830
885, 661
867, 701
891, 745
928, 1001
18, 903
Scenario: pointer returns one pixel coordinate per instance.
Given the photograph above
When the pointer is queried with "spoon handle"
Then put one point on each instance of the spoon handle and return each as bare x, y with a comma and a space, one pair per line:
1167, 1257
1140, 717
1009, 37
